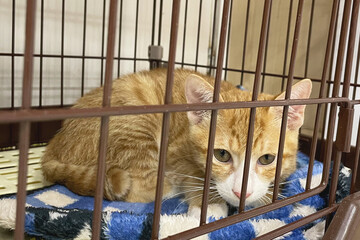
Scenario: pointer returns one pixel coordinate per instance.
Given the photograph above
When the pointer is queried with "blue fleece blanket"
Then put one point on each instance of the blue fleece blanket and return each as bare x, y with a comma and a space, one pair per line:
57, 213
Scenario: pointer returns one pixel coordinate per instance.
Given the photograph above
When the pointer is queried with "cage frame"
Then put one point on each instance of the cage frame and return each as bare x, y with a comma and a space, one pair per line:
26, 115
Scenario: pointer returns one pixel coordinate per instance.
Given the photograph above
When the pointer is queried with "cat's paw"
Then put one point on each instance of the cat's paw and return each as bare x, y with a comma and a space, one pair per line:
216, 210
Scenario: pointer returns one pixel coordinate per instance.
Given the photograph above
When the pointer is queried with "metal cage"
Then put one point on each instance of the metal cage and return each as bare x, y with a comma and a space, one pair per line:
25, 125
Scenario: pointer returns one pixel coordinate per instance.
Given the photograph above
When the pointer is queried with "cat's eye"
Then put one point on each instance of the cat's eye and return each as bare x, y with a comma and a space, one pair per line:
266, 159
222, 155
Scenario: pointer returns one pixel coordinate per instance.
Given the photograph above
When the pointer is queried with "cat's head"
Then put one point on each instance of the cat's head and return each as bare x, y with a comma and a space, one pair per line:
231, 139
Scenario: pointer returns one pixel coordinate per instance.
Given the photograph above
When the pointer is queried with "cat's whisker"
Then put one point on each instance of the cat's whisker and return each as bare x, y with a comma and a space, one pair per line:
185, 175
190, 176
286, 182
187, 200
179, 193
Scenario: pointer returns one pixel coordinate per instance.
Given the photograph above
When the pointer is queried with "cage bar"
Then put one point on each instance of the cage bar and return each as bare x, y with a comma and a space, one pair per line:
356, 163
41, 51
266, 51
153, 23
184, 34
24, 135
260, 59
213, 120
102, 44
160, 22
8, 116
83, 50
136, 32
198, 37
309, 38
351, 48
166, 118
245, 42
212, 54
12, 55
119, 41
104, 129
287, 96
286, 45
62, 54
329, 45
212, 226
228, 41
298, 223
345, 93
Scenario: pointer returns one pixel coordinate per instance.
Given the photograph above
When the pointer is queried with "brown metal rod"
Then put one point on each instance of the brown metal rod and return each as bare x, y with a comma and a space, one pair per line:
339, 67
287, 96
166, 119
345, 93
42, 115
210, 150
298, 223
334, 177
104, 129
356, 163
342, 46
259, 63
322, 91
195, 232
24, 135
351, 48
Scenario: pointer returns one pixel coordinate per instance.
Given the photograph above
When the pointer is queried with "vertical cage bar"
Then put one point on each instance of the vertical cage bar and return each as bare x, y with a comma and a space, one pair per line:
210, 151
287, 96
228, 40
41, 52
309, 38
153, 23
136, 32
102, 45
184, 34
119, 43
345, 93
351, 48
211, 54
160, 22
356, 163
62, 54
13, 55
245, 42
357, 71
104, 131
83, 50
198, 36
259, 63
24, 136
329, 45
286, 45
323, 138
333, 107
166, 118
266, 51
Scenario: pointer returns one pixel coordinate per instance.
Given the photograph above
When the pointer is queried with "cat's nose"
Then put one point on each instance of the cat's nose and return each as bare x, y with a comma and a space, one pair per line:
248, 194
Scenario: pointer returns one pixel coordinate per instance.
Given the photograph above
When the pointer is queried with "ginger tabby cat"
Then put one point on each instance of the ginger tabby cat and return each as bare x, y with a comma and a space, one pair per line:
134, 142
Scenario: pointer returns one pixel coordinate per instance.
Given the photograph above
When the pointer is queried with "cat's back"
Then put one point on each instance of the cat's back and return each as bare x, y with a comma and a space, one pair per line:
141, 88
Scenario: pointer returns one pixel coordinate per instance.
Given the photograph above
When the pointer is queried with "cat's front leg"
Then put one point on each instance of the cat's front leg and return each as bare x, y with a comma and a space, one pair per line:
216, 210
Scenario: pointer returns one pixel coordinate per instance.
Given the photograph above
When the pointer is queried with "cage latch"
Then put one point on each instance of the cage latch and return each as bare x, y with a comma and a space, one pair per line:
155, 56
344, 131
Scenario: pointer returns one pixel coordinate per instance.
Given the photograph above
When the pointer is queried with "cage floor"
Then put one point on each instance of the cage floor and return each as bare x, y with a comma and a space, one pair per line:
9, 170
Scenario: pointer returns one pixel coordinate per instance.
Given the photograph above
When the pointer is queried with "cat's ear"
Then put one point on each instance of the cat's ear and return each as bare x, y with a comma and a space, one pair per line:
300, 90
197, 90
